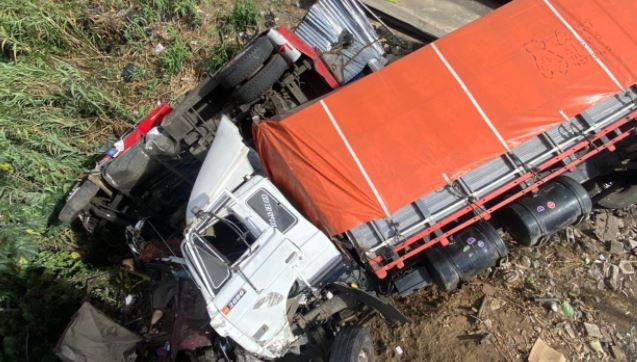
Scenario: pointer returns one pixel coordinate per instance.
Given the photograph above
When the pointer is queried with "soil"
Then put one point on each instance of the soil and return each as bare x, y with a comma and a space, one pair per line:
496, 318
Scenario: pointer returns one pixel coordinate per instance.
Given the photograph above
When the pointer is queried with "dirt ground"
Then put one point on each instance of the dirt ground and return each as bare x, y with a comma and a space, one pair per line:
498, 318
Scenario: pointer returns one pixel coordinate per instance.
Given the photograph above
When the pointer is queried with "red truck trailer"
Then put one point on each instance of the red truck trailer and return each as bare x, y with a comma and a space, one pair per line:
451, 134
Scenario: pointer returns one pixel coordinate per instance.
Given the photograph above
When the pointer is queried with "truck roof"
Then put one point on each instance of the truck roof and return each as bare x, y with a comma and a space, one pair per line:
368, 149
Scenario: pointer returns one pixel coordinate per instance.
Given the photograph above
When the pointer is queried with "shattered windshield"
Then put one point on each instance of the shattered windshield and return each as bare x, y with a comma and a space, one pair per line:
228, 236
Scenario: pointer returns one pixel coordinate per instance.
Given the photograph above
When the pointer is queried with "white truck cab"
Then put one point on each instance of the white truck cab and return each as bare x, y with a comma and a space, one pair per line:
249, 249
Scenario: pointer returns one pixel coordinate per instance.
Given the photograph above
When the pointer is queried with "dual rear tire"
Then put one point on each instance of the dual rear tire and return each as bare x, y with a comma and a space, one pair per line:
251, 73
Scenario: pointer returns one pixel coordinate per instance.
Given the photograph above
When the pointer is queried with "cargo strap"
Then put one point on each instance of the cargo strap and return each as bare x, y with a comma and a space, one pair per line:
338, 129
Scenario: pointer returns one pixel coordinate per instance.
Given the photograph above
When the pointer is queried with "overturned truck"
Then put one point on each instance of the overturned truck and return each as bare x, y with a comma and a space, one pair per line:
393, 182
519, 122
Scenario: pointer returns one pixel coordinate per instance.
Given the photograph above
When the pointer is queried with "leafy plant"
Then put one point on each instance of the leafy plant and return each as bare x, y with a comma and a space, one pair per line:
174, 57
244, 14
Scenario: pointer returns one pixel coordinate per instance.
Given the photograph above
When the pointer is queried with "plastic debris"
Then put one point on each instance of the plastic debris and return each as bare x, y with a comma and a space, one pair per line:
159, 48
567, 309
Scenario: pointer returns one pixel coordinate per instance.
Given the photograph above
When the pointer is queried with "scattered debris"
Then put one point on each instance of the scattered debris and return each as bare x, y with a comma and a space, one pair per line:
568, 329
128, 72
525, 261
617, 353
592, 330
92, 336
567, 309
496, 304
399, 350
596, 346
606, 226
159, 48
614, 277
542, 352
626, 267
616, 248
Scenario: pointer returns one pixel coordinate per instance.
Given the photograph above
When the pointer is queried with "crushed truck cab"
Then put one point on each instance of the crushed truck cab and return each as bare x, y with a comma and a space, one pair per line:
249, 249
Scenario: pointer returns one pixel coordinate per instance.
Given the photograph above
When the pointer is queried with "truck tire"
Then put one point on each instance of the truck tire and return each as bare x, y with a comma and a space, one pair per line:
246, 63
78, 201
262, 81
352, 344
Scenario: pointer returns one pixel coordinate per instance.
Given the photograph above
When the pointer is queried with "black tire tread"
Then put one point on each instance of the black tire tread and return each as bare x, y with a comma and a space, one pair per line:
78, 202
262, 81
349, 342
246, 63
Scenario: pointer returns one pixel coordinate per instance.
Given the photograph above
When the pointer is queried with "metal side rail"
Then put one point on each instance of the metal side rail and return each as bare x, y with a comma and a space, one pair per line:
419, 225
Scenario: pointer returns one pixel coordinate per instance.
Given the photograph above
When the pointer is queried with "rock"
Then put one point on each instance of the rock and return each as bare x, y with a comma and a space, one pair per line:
542, 352
614, 279
596, 346
488, 324
488, 289
615, 247
618, 353
632, 244
496, 304
626, 267
594, 273
606, 226
592, 330
568, 329
525, 261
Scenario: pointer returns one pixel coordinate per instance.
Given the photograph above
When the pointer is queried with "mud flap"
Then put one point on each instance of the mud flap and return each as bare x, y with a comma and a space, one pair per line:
381, 304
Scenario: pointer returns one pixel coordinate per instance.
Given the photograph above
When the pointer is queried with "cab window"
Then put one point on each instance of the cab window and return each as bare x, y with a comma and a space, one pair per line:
228, 236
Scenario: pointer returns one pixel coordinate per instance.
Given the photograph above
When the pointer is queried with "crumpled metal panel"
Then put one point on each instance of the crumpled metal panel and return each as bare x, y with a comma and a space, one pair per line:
325, 22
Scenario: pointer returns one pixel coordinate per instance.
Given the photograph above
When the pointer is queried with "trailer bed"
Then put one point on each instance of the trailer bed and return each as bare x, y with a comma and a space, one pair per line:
491, 108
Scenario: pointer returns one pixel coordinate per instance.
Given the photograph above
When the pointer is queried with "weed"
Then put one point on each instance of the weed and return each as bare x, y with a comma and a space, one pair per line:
173, 58
221, 53
244, 14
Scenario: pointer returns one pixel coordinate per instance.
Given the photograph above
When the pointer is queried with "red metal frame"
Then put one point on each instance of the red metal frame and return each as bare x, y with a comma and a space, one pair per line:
308, 51
141, 129
381, 270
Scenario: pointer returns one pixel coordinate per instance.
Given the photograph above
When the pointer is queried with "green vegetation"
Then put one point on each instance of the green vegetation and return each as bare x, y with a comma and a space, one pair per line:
172, 59
61, 100
244, 14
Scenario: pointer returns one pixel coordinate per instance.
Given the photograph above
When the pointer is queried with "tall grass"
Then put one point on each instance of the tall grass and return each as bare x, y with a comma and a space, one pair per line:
52, 114
59, 100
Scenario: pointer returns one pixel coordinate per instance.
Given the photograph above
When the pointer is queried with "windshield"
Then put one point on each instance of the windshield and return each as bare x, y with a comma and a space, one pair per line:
215, 268
228, 236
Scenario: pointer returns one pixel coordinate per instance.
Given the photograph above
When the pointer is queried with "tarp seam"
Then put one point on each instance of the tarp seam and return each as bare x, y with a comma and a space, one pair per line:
473, 100
585, 45
336, 126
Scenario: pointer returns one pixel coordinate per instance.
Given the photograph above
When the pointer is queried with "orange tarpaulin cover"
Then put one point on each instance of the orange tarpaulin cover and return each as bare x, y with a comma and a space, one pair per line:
372, 147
